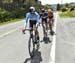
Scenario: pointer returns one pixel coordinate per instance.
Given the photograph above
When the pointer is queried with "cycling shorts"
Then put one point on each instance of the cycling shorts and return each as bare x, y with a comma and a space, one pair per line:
50, 17
44, 20
32, 23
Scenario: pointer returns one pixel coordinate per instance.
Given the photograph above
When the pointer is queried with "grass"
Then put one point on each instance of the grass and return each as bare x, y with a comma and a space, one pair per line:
67, 14
11, 21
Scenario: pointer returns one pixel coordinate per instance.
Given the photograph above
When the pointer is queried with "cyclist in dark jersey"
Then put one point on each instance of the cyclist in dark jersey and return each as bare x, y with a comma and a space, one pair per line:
44, 16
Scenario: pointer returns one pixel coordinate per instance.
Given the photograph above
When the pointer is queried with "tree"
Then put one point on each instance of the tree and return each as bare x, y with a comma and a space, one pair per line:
47, 6
6, 1
58, 6
36, 0
67, 5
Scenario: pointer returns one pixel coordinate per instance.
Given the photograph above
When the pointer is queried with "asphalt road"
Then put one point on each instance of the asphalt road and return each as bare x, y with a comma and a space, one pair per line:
65, 40
9, 27
14, 49
14, 44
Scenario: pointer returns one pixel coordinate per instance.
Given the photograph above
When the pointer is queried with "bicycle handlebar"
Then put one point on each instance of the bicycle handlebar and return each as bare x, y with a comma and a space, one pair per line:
28, 29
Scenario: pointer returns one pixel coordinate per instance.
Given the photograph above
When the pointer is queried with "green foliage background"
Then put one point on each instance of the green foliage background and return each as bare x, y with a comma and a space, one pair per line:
20, 11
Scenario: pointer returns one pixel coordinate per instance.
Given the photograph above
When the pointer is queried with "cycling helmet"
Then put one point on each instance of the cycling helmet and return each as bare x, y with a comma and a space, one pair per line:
49, 10
42, 10
32, 9
45, 10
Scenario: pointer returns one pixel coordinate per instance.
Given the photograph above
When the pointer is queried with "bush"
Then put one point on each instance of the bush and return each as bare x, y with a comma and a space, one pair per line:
64, 9
71, 9
7, 16
4, 15
68, 14
19, 13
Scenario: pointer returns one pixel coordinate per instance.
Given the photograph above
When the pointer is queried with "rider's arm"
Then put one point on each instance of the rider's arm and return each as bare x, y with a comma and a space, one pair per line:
27, 17
46, 14
25, 24
40, 15
38, 20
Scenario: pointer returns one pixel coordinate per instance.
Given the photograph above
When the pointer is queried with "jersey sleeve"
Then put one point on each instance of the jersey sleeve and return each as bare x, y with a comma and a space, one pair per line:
27, 17
38, 19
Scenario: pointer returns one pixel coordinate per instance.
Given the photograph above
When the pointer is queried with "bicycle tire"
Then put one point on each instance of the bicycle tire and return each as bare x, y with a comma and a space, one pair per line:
31, 53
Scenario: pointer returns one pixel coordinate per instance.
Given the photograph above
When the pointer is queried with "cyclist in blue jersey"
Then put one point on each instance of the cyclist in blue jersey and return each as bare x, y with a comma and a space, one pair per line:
33, 17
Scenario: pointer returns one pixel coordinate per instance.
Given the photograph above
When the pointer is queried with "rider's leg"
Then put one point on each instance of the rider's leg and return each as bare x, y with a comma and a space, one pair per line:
46, 23
36, 30
37, 33
43, 26
31, 30
51, 26
52, 21
31, 33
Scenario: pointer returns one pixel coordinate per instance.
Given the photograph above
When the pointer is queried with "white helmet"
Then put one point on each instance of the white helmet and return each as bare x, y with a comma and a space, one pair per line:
32, 9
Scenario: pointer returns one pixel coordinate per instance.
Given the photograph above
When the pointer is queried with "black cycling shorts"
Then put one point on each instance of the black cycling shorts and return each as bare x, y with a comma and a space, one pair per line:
32, 23
50, 17
44, 20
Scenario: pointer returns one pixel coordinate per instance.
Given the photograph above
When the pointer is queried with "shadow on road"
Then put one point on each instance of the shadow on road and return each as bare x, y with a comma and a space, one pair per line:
46, 40
36, 59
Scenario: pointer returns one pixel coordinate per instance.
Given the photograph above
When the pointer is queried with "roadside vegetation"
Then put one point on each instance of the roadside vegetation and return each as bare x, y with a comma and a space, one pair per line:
66, 10
10, 17
67, 14
7, 15
13, 10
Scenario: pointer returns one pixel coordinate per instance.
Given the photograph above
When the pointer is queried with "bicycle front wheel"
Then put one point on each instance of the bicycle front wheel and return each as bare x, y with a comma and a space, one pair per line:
31, 47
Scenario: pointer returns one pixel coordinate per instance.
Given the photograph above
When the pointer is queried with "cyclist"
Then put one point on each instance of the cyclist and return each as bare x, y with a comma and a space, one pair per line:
51, 21
44, 16
33, 17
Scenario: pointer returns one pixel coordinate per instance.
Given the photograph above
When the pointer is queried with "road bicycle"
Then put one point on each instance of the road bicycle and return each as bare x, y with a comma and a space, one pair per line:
45, 32
33, 43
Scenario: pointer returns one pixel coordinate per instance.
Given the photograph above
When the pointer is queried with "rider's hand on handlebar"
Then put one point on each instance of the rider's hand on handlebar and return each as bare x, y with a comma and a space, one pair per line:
23, 29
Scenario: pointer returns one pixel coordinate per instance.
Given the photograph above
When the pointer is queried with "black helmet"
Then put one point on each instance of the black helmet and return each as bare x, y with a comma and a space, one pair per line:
32, 9
42, 10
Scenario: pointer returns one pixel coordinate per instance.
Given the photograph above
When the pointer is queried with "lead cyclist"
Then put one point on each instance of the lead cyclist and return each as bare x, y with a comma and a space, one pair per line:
33, 17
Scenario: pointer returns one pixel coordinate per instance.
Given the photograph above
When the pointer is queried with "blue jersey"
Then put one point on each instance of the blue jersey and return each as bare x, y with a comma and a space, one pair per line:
33, 17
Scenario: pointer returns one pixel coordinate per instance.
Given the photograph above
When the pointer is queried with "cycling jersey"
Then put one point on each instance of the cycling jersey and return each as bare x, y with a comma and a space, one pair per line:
50, 14
32, 17
44, 15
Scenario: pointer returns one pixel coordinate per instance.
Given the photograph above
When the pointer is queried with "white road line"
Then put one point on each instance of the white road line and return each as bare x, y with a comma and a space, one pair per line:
5, 34
9, 32
52, 53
